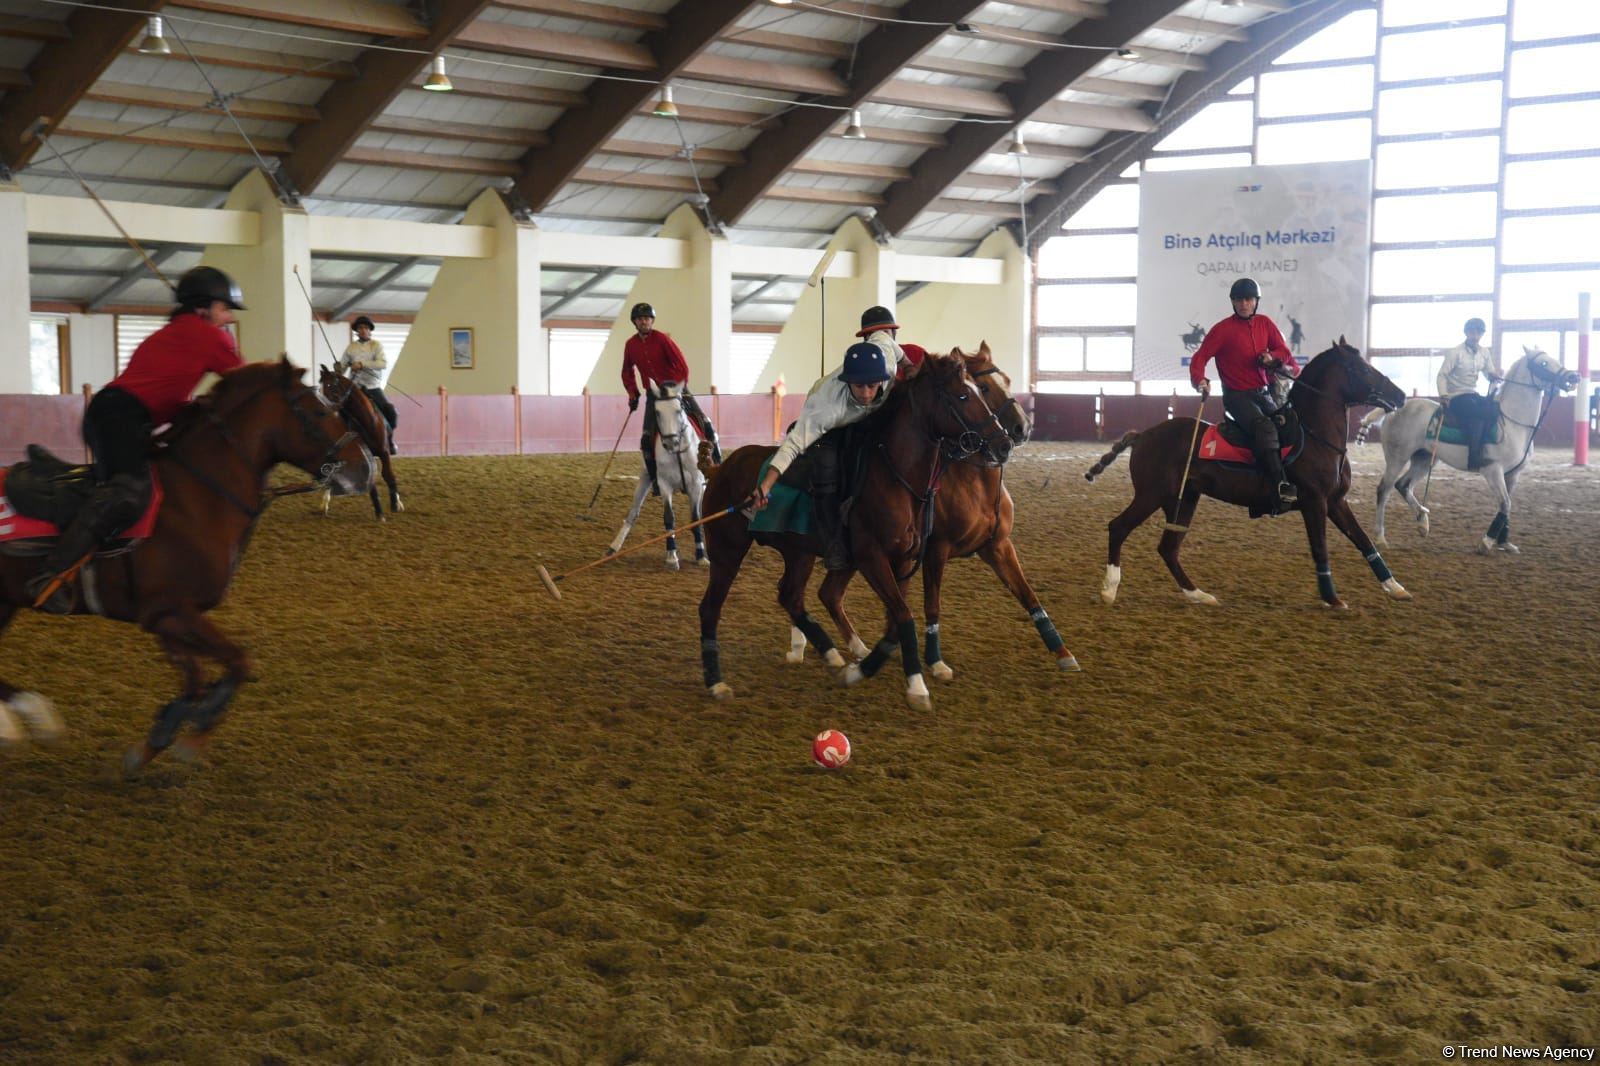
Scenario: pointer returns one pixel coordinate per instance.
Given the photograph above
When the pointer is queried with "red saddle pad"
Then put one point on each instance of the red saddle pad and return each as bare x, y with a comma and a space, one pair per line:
1214, 446
20, 527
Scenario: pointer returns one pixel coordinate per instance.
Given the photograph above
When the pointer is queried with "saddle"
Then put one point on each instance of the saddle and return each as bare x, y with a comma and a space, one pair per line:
1445, 426
43, 494
1229, 442
789, 510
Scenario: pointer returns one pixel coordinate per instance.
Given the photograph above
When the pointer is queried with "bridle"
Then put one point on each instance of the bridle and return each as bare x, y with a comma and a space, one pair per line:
1372, 399
1024, 428
974, 439
341, 404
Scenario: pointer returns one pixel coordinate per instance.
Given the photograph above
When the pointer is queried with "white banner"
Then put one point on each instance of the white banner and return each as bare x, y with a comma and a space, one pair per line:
1302, 231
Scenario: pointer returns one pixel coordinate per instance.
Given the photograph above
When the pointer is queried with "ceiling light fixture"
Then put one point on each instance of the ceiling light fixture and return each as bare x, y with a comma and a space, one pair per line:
665, 108
437, 81
1127, 53
154, 44
1018, 146
854, 131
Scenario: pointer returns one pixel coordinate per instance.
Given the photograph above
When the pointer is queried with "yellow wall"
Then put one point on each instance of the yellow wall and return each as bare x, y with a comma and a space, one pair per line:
278, 318
15, 305
800, 355
694, 305
498, 299
941, 316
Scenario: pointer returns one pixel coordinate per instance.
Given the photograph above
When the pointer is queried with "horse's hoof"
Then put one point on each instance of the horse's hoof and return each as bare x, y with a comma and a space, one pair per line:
1485, 546
833, 659
795, 655
941, 671
1108, 598
1510, 548
1067, 664
40, 715
851, 675
397, 506
722, 692
672, 564
610, 550
701, 560
136, 759
919, 701
190, 747
1396, 590
12, 735
858, 649
1380, 542
1336, 604
1202, 598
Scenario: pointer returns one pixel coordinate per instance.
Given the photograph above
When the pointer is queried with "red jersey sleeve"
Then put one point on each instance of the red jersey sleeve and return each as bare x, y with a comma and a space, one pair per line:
676, 365
1208, 351
628, 381
1276, 345
224, 354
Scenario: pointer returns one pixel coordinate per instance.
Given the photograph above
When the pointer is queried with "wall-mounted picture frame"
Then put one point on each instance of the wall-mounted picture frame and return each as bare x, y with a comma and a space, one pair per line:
461, 355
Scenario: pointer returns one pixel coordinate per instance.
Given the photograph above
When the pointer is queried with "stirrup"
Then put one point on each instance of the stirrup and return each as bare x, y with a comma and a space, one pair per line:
1287, 492
61, 601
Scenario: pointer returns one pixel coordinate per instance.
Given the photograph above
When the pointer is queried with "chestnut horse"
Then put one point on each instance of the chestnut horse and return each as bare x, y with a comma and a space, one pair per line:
1334, 381
973, 515
934, 418
359, 414
213, 469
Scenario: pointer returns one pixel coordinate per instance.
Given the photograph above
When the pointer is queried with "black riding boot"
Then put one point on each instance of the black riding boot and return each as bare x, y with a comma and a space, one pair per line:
1268, 455
111, 506
648, 447
835, 553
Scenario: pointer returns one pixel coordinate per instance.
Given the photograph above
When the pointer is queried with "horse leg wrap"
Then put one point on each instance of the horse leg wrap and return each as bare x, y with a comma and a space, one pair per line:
169, 720
930, 648
1380, 569
814, 633
908, 648
1047, 629
1325, 584
209, 709
878, 656
1497, 528
711, 661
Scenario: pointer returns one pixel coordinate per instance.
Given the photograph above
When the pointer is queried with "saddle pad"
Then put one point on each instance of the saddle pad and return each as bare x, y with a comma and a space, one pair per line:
19, 527
1450, 433
1213, 445
788, 509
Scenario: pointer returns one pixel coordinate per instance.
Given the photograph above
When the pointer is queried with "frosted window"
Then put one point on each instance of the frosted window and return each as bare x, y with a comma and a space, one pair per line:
1089, 257
1223, 125
44, 355
1416, 375
1553, 183
1424, 164
748, 355
131, 331
1114, 207
1433, 271
1552, 294
1554, 18
1316, 92
1557, 239
1418, 12
1352, 37
1553, 127
1474, 105
1424, 325
1060, 355
1440, 53
1451, 216
573, 354
1315, 142
1086, 388
1108, 355
1086, 305
1566, 68
1198, 162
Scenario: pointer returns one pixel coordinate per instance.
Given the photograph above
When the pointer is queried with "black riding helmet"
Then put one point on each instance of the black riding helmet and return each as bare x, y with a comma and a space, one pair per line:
362, 321
202, 285
1473, 324
1245, 289
876, 318
641, 311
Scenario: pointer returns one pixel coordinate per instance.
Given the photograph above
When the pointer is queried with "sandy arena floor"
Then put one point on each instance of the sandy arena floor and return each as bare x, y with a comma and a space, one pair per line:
458, 821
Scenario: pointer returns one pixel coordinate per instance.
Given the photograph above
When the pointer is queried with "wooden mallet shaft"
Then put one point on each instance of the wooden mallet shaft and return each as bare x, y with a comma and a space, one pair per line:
598, 485
551, 579
1173, 527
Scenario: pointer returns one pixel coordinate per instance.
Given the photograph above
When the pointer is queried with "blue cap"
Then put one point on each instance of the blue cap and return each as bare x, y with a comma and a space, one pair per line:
864, 365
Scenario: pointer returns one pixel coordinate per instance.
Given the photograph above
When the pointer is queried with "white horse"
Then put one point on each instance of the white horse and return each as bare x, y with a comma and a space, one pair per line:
676, 471
1525, 396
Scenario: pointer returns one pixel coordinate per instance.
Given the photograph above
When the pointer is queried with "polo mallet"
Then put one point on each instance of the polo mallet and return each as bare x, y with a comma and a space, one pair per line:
1194, 438
1432, 455
586, 516
551, 579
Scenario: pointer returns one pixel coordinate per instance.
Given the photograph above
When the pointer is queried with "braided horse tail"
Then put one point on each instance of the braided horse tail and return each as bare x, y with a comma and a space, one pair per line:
704, 462
1110, 457
1370, 419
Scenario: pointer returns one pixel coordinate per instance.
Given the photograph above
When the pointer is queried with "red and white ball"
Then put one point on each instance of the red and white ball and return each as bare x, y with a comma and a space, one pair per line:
831, 749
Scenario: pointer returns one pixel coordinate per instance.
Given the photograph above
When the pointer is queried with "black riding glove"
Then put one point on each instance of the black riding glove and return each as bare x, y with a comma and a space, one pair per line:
633, 403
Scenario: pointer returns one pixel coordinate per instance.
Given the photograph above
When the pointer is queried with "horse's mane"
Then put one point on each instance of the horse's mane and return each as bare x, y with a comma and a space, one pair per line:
199, 409
1317, 366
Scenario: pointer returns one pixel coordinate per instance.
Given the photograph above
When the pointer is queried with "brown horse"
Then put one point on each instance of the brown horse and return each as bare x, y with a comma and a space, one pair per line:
935, 418
213, 470
973, 515
1334, 381
359, 414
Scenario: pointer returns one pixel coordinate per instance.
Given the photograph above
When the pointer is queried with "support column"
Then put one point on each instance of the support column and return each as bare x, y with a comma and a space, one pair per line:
278, 315
497, 299
808, 345
944, 315
694, 304
16, 375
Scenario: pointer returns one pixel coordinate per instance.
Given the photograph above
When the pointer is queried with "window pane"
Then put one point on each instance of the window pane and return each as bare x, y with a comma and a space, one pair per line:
1553, 127
1430, 271
1197, 162
1104, 355
1453, 216
1315, 142
1566, 68
1554, 18
748, 354
1166, 387
1086, 388
1553, 183
131, 331
1352, 37
1112, 207
44, 355
1559, 239
1436, 108
1416, 375
573, 354
1223, 125
1429, 325
1089, 257
1469, 161
1316, 92
1508, 349
1060, 355
1086, 305
1552, 294
1437, 53
1418, 12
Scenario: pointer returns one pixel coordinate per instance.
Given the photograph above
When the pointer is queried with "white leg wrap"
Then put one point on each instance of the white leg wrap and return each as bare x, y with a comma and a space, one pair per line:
797, 646
941, 671
917, 693
721, 692
834, 659
1205, 599
1485, 546
1108, 587
672, 560
858, 650
40, 715
1395, 589
852, 675
1509, 548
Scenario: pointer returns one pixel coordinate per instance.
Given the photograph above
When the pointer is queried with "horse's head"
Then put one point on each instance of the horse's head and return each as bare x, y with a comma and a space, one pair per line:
672, 421
957, 415
995, 386
1362, 383
340, 393
272, 402
1544, 371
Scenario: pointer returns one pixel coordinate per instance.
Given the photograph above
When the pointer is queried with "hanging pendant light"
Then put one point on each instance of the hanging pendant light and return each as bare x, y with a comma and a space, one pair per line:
665, 108
438, 81
154, 44
1018, 146
854, 131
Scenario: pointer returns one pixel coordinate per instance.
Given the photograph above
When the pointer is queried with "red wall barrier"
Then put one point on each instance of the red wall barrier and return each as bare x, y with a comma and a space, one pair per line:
53, 421
483, 425
555, 424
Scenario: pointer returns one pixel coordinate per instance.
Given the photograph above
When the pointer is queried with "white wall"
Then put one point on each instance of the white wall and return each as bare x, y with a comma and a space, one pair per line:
94, 350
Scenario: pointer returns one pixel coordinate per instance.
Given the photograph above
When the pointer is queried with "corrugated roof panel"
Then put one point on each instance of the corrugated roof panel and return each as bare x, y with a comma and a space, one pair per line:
477, 110
520, 70
557, 24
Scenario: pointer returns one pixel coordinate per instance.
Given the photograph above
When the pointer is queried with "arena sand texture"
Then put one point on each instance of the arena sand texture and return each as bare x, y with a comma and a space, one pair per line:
458, 821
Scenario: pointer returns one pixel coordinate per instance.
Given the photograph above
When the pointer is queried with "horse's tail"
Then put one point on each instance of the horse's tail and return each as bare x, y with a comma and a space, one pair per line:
707, 467
1370, 419
1110, 457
